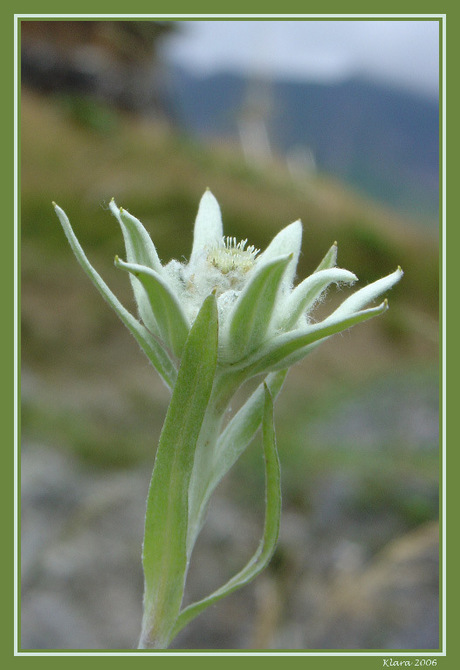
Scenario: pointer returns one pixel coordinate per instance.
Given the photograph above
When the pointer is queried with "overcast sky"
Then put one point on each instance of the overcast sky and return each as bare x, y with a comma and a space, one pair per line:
401, 52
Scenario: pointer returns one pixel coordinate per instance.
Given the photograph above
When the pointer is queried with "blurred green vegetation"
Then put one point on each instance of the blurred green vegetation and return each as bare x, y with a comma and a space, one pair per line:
87, 388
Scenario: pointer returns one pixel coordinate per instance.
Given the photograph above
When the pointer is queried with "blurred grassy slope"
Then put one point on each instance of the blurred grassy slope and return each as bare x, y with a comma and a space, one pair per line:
85, 384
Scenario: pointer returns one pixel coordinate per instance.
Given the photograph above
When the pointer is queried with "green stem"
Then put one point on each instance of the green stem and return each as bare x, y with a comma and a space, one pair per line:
224, 388
202, 468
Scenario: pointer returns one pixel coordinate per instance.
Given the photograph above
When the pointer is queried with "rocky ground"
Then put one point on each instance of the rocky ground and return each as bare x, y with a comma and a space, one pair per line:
325, 589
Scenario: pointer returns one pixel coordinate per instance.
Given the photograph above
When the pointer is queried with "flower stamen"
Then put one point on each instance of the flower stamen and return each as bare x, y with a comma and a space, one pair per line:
232, 256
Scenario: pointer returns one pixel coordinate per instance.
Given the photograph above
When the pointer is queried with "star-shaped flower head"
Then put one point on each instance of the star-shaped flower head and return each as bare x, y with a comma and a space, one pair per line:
264, 322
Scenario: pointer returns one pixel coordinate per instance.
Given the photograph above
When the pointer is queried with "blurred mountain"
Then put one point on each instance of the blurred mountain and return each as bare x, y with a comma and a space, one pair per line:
381, 141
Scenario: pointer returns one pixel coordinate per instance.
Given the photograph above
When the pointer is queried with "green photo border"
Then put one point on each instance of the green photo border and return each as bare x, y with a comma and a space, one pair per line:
448, 658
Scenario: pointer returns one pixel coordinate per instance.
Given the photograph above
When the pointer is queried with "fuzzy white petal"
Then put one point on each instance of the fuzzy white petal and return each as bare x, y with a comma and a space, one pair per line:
208, 229
306, 294
287, 241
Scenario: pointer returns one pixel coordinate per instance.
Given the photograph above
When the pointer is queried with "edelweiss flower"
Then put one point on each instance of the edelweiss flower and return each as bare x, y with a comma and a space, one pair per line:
264, 320
207, 326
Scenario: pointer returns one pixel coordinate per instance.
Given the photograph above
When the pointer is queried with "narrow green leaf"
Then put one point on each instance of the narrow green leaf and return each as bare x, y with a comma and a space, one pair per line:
267, 545
251, 315
153, 350
165, 308
164, 551
140, 250
139, 246
241, 429
329, 260
287, 349
238, 434
365, 295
